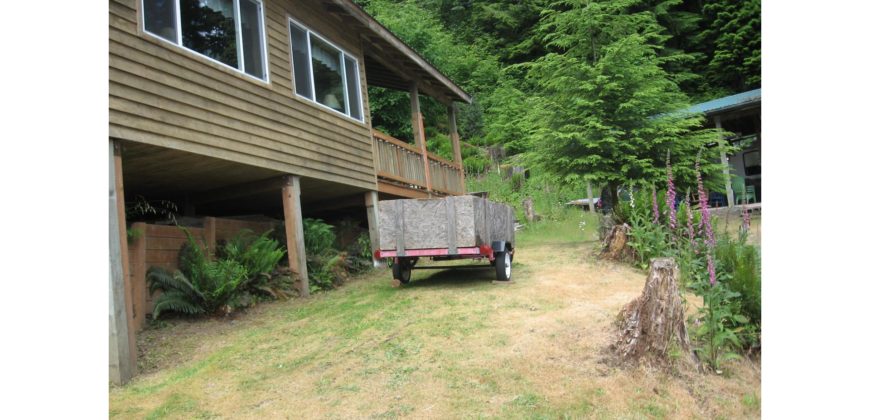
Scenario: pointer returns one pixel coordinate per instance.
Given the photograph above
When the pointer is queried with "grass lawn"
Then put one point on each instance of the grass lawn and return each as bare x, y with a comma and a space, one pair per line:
449, 345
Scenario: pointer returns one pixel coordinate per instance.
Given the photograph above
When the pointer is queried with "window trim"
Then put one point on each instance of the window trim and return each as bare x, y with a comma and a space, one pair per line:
239, 48
308, 33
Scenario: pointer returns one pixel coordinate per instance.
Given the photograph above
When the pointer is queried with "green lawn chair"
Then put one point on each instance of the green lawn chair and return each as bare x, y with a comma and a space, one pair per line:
743, 193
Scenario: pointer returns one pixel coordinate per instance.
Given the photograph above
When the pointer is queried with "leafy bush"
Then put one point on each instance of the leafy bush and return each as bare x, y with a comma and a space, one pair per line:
743, 262
199, 286
327, 268
243, 267
260, 255
549, 194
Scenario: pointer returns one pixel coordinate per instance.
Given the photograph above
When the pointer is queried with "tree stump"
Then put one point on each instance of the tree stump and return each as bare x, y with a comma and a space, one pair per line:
616, 243
653, 325
529, 208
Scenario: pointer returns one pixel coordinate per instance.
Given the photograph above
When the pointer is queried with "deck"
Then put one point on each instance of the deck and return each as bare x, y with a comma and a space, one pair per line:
401, 170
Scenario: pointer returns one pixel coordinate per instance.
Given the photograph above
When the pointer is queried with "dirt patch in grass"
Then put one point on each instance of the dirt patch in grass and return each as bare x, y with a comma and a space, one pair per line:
451, 344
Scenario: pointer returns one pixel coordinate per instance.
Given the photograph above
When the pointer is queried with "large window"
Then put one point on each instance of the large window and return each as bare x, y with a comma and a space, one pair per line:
324, 73
227, 31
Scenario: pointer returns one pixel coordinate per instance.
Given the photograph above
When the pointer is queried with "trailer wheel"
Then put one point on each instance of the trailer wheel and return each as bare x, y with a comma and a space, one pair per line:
503, 266
402, 271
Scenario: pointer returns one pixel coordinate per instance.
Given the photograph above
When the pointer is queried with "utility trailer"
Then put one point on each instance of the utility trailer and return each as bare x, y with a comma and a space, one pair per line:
449, 228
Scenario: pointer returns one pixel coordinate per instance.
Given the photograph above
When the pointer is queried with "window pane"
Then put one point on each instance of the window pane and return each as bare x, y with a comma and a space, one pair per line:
252, 40
352, 88
160, 18
328, 87
209, 27
301, 74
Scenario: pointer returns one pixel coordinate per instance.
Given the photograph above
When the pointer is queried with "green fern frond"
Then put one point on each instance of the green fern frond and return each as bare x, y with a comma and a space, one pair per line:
159, 278
176, 301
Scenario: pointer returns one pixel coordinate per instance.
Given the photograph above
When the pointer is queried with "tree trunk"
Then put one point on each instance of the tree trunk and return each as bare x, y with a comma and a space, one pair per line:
529, 209
616, 243
653, 325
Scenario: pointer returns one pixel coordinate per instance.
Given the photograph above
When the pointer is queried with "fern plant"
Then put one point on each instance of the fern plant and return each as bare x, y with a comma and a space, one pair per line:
199, 285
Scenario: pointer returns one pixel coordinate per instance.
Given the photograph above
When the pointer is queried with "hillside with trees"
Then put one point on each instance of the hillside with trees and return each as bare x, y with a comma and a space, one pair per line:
582, 90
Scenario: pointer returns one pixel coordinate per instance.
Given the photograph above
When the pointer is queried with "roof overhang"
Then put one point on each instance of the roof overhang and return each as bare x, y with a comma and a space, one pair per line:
732, 103
391, 63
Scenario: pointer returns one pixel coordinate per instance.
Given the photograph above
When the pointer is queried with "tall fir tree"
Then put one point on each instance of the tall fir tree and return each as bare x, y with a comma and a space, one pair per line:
608, 104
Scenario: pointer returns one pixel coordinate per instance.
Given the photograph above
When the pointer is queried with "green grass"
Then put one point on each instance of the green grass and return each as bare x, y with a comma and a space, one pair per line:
578, 226
449, 344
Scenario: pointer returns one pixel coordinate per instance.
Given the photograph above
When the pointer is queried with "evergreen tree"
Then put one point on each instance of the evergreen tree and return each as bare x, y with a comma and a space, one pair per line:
607, 105
733, 40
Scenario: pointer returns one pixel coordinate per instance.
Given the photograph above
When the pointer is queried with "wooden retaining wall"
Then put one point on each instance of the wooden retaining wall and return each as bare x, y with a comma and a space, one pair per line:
158, 245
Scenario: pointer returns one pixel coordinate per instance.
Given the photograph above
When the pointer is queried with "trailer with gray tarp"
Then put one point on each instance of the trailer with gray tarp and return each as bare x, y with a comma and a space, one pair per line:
449, 228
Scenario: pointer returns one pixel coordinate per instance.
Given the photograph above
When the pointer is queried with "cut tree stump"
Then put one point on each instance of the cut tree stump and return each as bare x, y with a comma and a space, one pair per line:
616, 243
653, 325
529, 209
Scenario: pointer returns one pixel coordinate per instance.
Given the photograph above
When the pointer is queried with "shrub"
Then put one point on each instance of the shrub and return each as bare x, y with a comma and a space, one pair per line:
199, 286
743, 261
549, 194
327, 267
244, 266
260, 255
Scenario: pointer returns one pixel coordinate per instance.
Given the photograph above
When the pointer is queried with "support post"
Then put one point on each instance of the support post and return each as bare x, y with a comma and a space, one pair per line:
729, 192
590, 197
419, 133
372, 216
122, 344
457, 150
290, 195
209, 229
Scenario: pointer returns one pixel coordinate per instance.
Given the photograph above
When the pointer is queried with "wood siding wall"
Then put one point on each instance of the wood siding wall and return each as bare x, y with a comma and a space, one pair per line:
163, 95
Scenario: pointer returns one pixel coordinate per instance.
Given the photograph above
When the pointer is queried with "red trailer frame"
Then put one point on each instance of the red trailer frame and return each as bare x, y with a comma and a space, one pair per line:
403, 264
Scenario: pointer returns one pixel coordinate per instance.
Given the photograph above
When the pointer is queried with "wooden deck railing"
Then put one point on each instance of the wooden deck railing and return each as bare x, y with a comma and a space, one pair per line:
401, 162
446, 176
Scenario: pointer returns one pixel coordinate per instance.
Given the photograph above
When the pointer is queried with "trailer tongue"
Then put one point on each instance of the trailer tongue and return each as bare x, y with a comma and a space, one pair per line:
460, 227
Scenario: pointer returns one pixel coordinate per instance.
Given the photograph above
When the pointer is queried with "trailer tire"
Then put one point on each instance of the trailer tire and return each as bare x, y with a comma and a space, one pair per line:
503, 266
402, 271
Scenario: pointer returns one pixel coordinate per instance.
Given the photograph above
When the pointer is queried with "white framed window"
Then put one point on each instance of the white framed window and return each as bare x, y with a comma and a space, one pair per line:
230, 32
324, 73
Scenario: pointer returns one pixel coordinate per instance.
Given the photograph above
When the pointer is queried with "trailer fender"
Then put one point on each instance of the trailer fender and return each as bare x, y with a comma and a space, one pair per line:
501, 246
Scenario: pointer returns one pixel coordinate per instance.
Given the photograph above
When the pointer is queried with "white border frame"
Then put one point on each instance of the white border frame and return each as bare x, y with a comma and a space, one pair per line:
308, 33
179, 41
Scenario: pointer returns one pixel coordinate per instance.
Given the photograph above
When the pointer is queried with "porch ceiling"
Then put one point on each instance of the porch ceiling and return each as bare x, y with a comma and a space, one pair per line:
216, 186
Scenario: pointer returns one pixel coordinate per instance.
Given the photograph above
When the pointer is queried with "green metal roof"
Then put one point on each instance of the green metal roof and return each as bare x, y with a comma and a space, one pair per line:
727, 103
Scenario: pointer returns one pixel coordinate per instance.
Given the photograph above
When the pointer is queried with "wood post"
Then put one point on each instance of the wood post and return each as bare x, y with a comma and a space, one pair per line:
122, 340
138, 272
590, 196
457, 149
210, 234
729, 192
419, 133
372, 217
290, 195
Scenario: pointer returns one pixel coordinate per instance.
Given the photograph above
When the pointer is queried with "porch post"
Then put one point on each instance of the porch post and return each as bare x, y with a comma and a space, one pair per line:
122, 341
290, 195
457, 150
729, 192
419, 133
372, 216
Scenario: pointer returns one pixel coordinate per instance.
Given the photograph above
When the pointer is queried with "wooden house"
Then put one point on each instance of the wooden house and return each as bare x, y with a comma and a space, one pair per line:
237, 107
739, 115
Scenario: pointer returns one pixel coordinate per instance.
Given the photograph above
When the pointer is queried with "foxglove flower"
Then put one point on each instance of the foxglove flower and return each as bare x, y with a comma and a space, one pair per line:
705, 209
672, 196
711, 268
